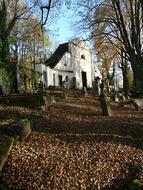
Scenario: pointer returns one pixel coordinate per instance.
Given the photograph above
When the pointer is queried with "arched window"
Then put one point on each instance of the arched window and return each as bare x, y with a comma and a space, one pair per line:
82, 56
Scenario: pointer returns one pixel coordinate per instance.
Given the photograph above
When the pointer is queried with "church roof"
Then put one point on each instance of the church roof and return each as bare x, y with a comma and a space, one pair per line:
57, 55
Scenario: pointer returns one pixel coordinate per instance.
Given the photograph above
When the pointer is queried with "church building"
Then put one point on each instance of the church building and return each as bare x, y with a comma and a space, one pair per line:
70, 66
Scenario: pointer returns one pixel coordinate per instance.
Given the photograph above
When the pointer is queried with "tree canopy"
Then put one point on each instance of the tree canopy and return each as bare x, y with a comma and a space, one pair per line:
120, 23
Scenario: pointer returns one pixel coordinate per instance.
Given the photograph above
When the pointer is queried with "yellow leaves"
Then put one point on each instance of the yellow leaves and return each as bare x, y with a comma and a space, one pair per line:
107, 53
106, 64
106, 42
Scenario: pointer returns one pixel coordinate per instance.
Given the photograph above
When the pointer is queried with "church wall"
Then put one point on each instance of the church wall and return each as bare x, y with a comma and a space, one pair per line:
72, 65
81, 60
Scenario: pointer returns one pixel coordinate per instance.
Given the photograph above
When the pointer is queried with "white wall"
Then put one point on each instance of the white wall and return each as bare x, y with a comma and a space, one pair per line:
72, 65
65, 63
51, 72
64, 68
78, 49
41, 68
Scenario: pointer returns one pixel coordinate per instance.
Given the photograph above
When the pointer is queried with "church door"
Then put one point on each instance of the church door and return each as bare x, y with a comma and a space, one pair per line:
60, 81
84, 79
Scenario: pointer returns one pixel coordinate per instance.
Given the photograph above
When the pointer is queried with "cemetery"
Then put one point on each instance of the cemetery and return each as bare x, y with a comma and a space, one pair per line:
71, 109
59, 136
100, 136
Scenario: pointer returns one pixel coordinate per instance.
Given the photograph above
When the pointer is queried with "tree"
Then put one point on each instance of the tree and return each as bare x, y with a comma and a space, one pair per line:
125, 68
10, 13
28, 45
132, 38
107, 54
123, 21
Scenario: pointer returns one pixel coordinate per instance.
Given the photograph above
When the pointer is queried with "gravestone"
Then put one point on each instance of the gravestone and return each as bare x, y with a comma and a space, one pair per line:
116, 98
41, 87
65, 84
105, 105
5, 149
121, 95
133, 103
74, 83
84, 91
20, 130
138, 104
97, 86
105, 102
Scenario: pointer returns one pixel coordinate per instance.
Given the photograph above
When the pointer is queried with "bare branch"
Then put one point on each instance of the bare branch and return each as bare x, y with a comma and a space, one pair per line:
47, 7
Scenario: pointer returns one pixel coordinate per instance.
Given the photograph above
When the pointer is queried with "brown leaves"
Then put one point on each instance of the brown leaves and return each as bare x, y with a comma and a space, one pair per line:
73, 147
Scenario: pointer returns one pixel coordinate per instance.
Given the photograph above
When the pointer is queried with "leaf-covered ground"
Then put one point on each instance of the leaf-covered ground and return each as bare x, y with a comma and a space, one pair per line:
73, 147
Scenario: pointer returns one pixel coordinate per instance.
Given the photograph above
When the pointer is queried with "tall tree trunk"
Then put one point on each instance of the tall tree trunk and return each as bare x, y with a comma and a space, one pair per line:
16, 80
137, 67
124, 67
141, 74
16, 70
4, 44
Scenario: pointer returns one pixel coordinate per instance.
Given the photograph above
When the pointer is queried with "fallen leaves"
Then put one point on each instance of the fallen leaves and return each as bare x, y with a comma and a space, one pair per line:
73, 147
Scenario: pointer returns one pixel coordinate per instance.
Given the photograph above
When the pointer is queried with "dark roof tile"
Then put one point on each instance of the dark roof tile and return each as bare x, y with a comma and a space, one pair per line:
57, 55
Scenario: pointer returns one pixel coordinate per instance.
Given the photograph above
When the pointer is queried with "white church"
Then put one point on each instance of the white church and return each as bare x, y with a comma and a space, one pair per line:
70, 66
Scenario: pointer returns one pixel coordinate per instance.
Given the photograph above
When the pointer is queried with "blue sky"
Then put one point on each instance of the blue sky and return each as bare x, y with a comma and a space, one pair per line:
65, 30
64, 26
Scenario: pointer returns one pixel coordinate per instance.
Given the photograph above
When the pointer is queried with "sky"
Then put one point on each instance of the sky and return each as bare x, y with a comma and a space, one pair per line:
65, 31
63, 28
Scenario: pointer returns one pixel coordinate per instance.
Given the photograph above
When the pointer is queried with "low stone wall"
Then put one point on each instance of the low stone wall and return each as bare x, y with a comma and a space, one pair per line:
34, 100
61, 95
136, 103
57, 94
20, 130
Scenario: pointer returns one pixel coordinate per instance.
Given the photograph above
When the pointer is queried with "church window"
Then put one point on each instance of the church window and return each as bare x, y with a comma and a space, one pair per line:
66, 78
82, 56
